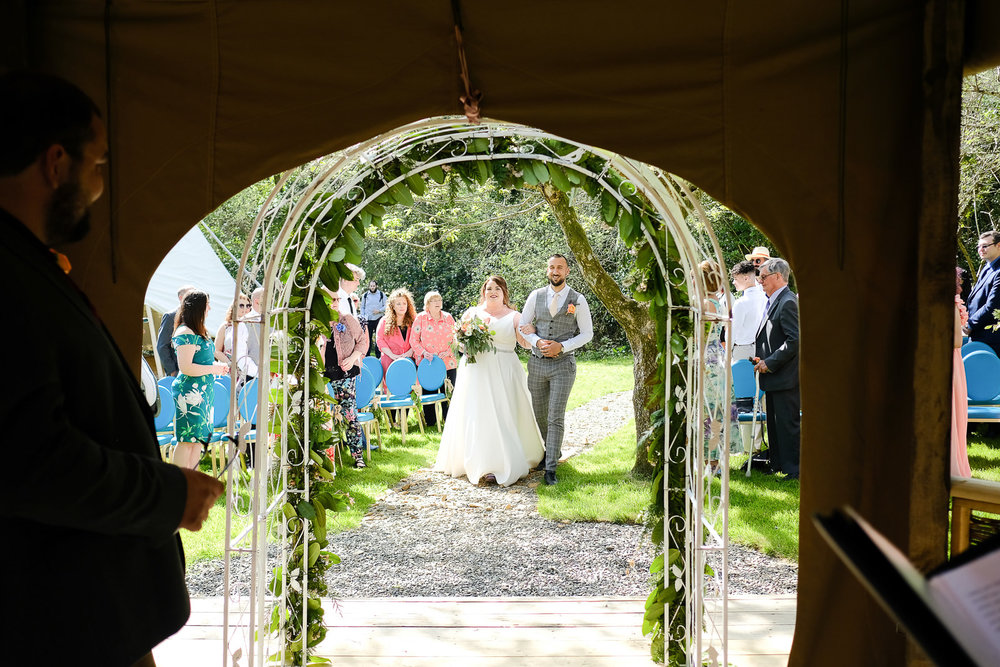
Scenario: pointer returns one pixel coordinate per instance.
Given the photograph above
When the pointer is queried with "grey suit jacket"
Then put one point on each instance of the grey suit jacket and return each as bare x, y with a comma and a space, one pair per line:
164, 348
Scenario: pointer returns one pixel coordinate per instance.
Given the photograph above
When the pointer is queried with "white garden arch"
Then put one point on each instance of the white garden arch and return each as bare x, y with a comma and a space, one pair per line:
309, 196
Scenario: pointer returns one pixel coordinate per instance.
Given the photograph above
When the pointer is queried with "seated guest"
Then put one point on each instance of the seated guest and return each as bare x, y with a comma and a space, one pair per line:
393, 330
433, 333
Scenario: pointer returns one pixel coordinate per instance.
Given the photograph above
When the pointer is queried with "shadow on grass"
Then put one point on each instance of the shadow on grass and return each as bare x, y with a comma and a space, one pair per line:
763, 511
984, 457
597, 485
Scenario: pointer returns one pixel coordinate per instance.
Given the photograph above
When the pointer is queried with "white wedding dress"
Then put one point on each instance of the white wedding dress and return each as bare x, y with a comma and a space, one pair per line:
491, 427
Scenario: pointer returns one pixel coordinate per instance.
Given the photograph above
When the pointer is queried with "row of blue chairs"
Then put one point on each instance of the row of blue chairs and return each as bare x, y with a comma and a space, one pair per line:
400, 379
246, 403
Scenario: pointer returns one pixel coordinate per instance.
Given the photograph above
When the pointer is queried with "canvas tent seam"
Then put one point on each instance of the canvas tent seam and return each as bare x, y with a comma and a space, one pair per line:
113, 235
213, 123
842, 132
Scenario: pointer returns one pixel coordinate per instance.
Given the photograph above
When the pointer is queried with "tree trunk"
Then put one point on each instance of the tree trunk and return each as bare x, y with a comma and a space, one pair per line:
632, 315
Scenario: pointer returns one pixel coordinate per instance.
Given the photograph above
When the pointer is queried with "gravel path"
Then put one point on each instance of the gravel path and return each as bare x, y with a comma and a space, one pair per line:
437, 536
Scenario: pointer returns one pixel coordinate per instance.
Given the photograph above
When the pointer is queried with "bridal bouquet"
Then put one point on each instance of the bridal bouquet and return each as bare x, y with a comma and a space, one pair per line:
472, 336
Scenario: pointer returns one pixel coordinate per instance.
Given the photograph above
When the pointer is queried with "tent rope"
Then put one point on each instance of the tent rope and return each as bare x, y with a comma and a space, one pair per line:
470, 100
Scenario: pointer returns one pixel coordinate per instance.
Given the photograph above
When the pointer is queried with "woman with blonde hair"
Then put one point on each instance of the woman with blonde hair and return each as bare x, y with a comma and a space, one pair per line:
491, 431
393, 330
433, 333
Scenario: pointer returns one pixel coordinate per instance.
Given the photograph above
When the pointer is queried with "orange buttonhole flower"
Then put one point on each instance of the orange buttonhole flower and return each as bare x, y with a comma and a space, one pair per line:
571, 308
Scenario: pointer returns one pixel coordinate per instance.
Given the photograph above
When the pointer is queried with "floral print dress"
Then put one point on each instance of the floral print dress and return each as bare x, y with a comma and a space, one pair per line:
194, 396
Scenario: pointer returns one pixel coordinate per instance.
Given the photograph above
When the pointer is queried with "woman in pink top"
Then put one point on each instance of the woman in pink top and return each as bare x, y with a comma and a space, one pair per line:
392, 331
432, 334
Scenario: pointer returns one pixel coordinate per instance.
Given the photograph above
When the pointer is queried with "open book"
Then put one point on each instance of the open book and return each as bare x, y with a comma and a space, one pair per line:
953, 613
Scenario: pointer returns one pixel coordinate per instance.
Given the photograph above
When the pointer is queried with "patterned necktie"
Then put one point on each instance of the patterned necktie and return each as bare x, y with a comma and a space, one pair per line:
554, 305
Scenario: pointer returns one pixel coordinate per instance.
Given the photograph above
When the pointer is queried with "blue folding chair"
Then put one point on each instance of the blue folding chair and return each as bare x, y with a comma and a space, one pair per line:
982, 382
226, 382
399, 379
365, 393
976, 346
431, 374
220, 422
164, 421
166, 382
749, 398
374, 366
246, 403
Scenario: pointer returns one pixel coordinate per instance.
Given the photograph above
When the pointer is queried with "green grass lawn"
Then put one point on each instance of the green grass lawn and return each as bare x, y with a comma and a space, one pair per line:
595, 378
984, 457
596, 485
763, 511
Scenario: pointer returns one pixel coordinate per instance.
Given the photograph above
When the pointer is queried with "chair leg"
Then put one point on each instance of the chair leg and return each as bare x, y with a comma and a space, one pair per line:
368, 440
402, 425
437, 412
420, 420
378, 433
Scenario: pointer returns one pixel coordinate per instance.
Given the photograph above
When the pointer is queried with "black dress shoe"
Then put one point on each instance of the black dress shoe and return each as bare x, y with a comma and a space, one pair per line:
550, 477
540, 466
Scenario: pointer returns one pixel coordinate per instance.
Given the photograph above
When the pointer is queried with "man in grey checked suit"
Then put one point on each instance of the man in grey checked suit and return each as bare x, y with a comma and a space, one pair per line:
555, 322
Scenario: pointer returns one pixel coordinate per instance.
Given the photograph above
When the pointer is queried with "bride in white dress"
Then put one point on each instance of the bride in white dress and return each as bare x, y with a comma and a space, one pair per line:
491, 428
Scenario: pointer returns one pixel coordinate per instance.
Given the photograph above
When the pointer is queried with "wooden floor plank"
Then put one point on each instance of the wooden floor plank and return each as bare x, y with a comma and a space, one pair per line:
492, 632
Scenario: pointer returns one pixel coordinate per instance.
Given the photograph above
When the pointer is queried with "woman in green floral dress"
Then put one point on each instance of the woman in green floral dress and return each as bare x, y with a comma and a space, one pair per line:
194, 387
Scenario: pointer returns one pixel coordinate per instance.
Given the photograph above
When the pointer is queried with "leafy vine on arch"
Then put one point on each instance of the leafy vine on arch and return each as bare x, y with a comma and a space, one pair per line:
333, 235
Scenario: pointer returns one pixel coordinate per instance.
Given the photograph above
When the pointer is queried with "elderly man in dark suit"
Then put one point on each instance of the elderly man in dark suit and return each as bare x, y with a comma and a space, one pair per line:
91, 512
777, 362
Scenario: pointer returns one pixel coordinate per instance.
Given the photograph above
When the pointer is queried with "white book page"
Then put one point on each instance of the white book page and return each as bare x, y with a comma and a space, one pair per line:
972, 593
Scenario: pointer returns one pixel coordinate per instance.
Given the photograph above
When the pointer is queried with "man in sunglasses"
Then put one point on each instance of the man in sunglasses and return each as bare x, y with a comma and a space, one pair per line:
985, 296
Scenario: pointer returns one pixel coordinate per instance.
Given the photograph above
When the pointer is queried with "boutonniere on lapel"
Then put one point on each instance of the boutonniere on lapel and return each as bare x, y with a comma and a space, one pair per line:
571, 308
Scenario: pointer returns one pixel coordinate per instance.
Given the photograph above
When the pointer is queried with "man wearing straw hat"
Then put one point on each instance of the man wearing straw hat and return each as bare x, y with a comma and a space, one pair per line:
759, 255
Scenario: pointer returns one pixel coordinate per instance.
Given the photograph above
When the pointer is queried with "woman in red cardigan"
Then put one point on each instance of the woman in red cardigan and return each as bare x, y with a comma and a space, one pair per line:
393, 330
432, 335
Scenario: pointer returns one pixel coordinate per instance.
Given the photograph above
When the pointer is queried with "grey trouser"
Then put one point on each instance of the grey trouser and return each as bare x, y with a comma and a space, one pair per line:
550, 381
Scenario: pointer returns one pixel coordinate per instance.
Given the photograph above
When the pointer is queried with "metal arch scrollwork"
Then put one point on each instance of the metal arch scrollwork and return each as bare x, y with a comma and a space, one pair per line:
697, 515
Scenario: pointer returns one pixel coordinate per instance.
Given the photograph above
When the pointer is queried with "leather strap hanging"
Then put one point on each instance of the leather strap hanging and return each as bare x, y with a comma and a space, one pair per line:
470, 100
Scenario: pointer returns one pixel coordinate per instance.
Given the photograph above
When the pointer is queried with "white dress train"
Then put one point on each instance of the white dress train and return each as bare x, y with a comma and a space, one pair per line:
491, 427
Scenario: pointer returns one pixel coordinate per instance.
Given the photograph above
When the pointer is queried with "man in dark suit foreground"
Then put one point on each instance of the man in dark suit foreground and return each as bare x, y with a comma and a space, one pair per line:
94, 567
777, 362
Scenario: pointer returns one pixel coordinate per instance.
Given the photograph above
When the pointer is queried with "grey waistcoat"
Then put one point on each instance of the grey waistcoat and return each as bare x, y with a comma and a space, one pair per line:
563, 326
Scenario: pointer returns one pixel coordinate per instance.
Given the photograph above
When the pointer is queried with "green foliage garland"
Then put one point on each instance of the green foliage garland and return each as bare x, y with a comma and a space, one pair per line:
514, 163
